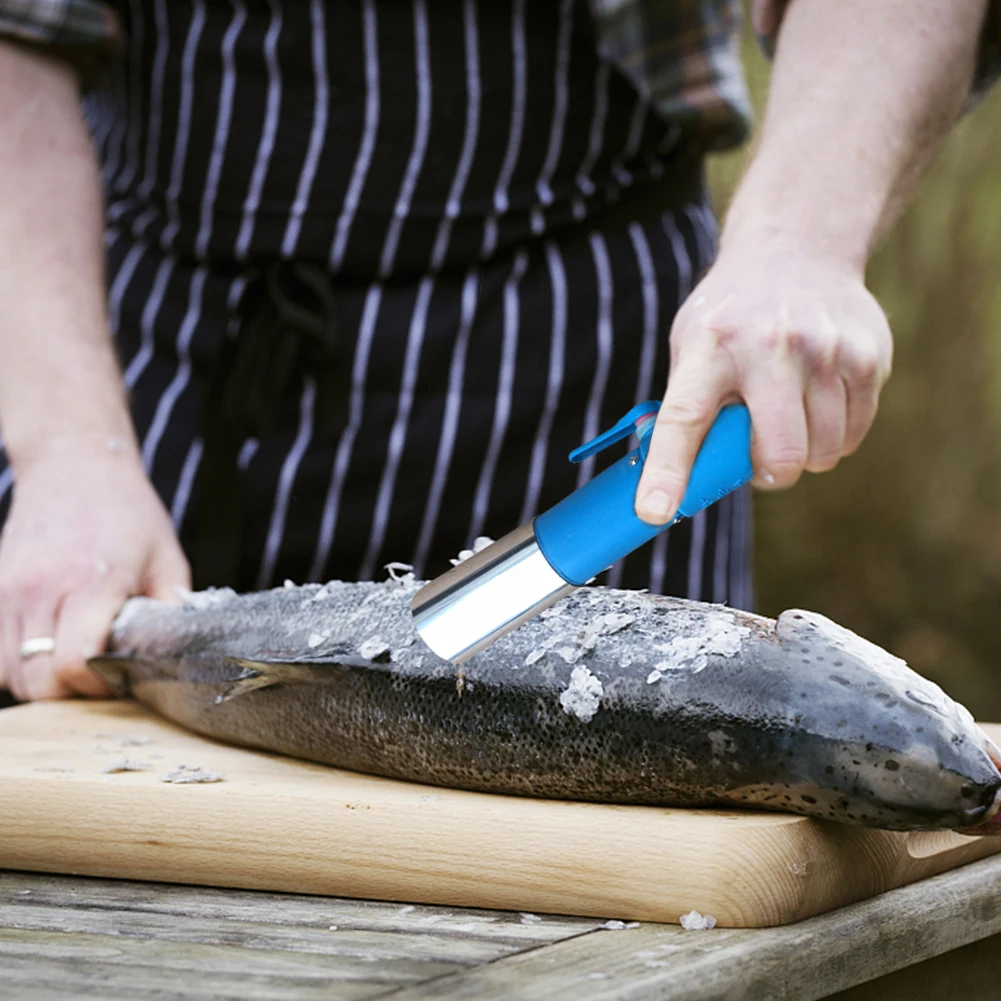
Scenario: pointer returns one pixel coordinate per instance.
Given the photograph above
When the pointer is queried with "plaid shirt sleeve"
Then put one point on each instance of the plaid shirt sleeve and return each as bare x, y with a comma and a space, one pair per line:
766, 18
684, 56
86, 32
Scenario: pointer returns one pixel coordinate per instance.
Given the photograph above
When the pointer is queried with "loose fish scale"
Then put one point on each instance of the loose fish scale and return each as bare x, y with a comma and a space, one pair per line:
744, 710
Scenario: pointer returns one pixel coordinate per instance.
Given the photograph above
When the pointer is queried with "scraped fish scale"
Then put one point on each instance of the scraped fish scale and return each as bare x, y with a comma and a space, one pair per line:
796, 714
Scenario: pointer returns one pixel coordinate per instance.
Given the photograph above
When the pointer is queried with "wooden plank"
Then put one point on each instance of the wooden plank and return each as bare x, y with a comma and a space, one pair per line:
82, 937
971, 973
280, 824
58, 972
801, 962
192, 960
257, 906
333, 941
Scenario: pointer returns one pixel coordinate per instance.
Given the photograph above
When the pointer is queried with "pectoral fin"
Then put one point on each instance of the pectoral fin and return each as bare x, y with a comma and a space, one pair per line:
113, 669
258, 673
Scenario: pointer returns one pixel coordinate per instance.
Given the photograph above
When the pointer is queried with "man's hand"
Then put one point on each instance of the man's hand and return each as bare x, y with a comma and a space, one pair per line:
85, 532
861, 95
798, 339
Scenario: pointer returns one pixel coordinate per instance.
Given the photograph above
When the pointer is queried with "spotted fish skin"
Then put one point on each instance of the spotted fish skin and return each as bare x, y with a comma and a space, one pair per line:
610, 696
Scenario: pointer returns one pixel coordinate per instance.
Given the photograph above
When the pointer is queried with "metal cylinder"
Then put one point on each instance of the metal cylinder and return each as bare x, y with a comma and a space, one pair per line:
486, 596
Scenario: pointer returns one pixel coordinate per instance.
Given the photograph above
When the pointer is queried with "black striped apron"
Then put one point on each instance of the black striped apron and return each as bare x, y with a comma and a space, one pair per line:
494, 228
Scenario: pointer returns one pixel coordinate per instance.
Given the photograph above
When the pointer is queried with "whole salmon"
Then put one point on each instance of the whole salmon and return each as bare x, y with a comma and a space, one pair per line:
610, 695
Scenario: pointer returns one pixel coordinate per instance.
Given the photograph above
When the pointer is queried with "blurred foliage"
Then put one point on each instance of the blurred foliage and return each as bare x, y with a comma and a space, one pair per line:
902, 542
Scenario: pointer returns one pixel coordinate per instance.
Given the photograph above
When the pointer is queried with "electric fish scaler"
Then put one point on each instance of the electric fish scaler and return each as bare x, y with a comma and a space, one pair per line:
466, 609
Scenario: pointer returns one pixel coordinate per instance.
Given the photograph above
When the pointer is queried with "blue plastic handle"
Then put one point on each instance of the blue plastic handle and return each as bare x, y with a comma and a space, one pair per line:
597, 524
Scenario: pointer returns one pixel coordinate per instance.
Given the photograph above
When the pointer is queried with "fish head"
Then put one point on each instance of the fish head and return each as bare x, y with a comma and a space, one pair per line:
885, 745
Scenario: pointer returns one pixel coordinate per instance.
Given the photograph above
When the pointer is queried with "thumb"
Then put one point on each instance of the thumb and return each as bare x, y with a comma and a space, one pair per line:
81, 633
168, 571
694, 394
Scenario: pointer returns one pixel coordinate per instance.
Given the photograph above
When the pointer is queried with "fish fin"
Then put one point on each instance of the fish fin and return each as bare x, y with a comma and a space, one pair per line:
265, 672
113, 669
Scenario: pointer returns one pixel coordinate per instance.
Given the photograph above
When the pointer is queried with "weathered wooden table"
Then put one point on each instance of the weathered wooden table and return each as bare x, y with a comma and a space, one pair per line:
66, 937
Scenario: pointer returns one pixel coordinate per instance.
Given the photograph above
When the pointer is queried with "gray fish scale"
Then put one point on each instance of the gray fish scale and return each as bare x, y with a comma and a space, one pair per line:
610, 695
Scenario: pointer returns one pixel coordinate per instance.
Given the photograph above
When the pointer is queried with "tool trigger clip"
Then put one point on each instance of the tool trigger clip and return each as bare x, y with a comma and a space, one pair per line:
637, 421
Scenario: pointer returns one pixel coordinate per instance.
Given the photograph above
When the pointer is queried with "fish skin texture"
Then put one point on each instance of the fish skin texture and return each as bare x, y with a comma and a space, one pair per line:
611, 696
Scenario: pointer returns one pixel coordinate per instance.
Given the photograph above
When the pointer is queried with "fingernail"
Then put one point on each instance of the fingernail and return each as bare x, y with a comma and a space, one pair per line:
656, 505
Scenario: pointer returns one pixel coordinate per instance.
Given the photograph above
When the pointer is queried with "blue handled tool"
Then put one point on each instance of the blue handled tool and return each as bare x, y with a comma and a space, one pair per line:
515, 578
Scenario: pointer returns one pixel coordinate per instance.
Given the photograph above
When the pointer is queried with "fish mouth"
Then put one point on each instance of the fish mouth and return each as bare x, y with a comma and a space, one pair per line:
990, 818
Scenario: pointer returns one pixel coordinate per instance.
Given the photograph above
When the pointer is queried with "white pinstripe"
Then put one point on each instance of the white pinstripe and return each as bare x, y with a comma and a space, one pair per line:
364, 159
6, 480
743, 566
177, 385
342, 460
721, 551
155, 113
398, 432
696, 554
597, 137
704, 227
115, 143
505, 388
636, 122
99, 116
449, 422
422, 130
605, 339
127, 176
561, 89
182, 495
121, 283
247, 452
269, 130
680, 255
651, 311
183, 136
554, 381
132, 113
317, 133
644, 384
658, 561
223, 119
516, 130
185, 482
286, 481
151, 309
685, 273
473, 96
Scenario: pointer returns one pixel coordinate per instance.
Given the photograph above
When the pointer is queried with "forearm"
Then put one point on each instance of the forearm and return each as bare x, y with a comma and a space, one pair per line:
59, 379
861, 95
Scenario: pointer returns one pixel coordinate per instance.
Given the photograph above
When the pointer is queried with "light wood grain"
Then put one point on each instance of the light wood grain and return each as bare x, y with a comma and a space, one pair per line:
280, 824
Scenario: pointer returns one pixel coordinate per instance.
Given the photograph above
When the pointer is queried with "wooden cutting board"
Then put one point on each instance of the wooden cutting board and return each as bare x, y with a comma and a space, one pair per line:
279, 824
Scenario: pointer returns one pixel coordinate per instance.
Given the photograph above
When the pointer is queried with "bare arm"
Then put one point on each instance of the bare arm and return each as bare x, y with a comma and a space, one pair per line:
58, 376
861, 95
86, 529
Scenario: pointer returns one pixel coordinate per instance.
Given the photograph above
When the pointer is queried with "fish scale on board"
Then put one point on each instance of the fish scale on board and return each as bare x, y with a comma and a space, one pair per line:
610, 696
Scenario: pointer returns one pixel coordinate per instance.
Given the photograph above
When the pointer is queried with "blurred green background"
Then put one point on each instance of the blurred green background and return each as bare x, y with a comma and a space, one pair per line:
902, 542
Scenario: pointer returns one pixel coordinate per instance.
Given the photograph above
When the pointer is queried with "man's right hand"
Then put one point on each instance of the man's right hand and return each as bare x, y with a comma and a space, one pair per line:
85, 532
